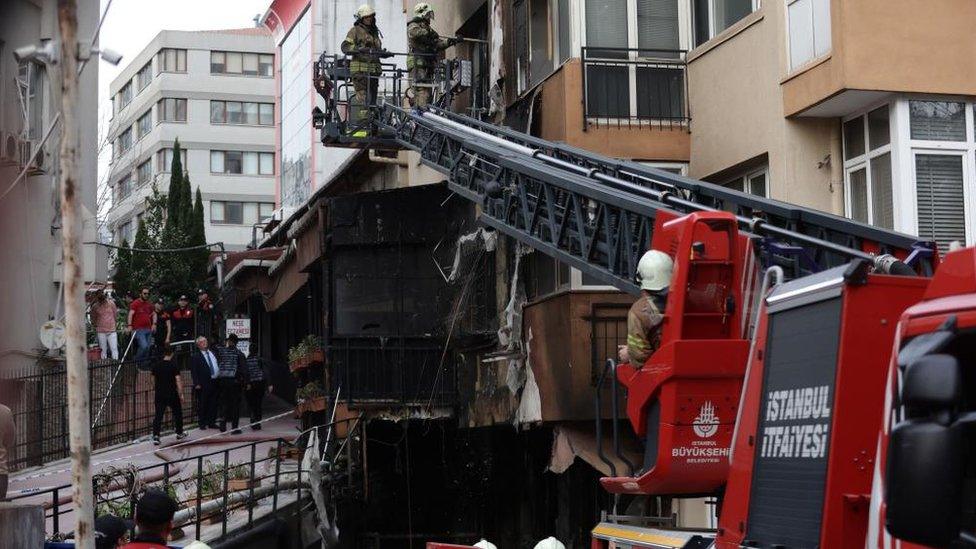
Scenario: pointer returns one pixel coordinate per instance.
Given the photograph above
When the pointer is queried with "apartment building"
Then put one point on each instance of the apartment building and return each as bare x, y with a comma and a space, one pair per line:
214, 92
30, 99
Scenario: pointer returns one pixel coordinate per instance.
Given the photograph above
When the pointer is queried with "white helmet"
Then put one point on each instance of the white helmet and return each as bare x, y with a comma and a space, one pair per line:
654, 270
197, 545
550, 543
423, 9
485, 544
365, 11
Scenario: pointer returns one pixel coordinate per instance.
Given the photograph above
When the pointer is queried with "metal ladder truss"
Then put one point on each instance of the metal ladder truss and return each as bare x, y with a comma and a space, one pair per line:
597, 213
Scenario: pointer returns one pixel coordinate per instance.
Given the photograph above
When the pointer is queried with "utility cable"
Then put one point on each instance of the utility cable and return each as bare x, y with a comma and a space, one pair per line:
161, 250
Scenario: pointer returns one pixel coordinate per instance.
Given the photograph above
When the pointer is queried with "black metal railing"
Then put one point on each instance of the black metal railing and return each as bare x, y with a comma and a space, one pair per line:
209, 488
382, 371
608, 330
121, 399
633, 87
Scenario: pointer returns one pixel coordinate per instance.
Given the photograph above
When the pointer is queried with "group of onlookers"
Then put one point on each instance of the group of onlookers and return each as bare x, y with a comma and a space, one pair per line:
154, 513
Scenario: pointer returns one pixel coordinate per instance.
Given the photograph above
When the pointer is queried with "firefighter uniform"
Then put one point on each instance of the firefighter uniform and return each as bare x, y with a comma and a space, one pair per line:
362, 44
425, 48
643, 329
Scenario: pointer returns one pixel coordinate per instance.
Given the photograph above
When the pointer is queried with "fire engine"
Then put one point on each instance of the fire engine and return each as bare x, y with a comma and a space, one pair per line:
812, 374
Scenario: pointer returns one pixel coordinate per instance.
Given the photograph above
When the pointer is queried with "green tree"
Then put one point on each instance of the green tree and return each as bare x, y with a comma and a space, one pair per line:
198, 237
122, 263
175, 200
142, 263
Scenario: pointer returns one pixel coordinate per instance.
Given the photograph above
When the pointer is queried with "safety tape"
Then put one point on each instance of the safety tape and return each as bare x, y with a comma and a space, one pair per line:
131, 456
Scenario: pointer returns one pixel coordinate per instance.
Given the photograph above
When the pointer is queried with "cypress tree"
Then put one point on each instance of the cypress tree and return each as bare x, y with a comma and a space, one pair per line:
122, 264
198, 237
175, 201
142, 263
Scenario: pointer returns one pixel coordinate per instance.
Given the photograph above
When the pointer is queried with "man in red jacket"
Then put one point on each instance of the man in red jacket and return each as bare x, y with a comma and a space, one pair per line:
154, 521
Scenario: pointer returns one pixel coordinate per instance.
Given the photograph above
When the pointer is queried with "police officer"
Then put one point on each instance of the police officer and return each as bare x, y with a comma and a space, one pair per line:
364, 43
426, 47
647, 313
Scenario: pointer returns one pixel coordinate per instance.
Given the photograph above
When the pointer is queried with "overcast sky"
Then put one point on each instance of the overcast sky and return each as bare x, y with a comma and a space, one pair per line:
132, 24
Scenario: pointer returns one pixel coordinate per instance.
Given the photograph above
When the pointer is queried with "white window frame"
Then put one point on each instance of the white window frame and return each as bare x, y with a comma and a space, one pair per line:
791, 68
864, 161
746, 179
756, 4
685, 40
682, 166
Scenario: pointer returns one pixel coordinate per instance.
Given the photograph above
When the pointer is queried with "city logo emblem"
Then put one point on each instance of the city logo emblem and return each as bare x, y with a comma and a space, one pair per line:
706, 423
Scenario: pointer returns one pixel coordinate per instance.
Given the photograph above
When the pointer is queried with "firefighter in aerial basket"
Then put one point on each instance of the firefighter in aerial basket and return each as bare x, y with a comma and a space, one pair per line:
647, 313
364, 45
426, 47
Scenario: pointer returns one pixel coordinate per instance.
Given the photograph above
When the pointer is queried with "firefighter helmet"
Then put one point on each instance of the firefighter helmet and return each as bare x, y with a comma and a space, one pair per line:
654, 270
365, 11
550, 543
485, 544
423, 9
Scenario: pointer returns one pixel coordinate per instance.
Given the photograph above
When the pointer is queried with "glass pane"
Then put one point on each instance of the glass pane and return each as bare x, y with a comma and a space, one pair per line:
565, 33
938, 120
250, 213
757, 184
180, 110
266, 65
727, 12
657, 26
181, 60
266, 114
234, 63
801, 32
941, 207
267, 163
606, 25
608, 92
251, 113
235, 113
267, 210
218, 62
233, 212
859, 194
540, 33
216, 162
882, 208
171, 60
217, 212
218, 112
854, 138
821, 27
660, 93
251, 163
737, 184
251, 64
233, 162
879, 133
700, 11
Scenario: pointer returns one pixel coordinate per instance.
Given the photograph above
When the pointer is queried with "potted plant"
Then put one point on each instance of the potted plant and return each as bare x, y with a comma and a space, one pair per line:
239, 479
298, 357
313, 349
311, 398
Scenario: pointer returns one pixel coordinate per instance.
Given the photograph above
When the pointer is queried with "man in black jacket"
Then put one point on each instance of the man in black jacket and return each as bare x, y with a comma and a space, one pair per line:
232, 375
204, 369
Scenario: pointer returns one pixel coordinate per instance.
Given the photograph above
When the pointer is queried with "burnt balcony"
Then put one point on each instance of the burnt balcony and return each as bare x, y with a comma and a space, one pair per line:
629, 87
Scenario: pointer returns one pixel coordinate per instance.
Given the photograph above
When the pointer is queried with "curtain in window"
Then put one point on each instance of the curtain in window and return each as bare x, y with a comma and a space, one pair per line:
939, 190
607, 84
606, 25
881, 202
938, 120
251, 163
859, 195
657, 27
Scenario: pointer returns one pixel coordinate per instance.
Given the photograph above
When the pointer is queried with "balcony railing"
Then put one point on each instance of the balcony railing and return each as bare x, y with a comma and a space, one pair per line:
630, 87
384, 371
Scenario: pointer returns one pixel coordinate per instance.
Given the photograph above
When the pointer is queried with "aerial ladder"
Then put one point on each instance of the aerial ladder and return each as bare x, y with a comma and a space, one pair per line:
769, 382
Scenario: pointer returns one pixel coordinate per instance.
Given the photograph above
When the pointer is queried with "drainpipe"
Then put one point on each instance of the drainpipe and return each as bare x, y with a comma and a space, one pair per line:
836, 169
373, 157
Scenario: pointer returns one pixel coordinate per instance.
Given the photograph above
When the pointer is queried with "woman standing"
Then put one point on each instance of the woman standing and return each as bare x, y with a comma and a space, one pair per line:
104, 315
169, 393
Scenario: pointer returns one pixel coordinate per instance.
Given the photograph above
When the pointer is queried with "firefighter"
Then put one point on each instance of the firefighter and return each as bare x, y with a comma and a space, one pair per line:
426, 47
364, 43
646, 314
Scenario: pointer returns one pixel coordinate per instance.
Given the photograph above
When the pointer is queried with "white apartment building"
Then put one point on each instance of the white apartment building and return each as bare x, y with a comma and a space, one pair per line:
214, 91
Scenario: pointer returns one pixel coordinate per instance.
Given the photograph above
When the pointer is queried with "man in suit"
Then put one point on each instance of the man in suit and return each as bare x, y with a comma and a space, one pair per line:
204, 370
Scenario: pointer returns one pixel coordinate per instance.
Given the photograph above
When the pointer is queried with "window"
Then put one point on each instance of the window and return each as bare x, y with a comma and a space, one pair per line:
144, 124
296, 95
809, 30
145, 76
171, 109
124, 141
939, 189
125, 233
144, 172
125, 94
867, 168
632, 62
30, 91
243, 163
543, 37
753, 182
170, 60
937, 120
164, 159
245, 64
711, 17
123, 188
240, 213
235, 112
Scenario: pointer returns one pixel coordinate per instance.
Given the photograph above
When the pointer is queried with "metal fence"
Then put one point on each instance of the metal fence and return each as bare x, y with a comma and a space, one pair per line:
40, 407
631, 87
393, 370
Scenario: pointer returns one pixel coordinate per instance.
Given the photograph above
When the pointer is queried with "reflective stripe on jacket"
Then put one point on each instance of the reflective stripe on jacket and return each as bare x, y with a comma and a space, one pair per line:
423, 40
361, 36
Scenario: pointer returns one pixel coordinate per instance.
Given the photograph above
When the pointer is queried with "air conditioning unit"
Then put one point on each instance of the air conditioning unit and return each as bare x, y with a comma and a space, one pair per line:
9, 149
39, 164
